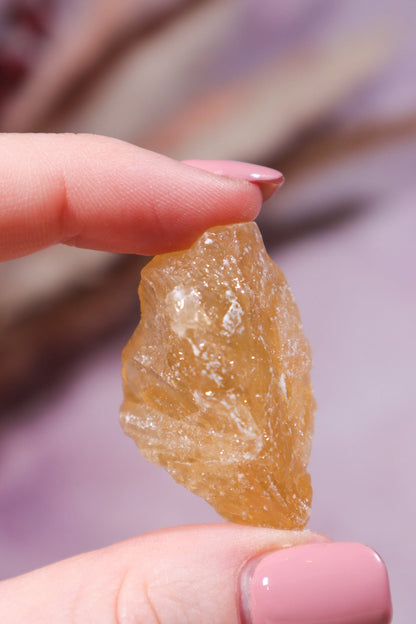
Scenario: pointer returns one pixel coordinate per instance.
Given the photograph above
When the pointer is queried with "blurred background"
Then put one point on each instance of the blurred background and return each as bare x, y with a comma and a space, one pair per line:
326, 92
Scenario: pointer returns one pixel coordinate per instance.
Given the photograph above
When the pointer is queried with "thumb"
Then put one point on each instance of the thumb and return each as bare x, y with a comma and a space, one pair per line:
207, 574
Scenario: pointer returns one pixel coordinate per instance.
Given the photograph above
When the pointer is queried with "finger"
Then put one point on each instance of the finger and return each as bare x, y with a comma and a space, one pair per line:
213, 574
102, 193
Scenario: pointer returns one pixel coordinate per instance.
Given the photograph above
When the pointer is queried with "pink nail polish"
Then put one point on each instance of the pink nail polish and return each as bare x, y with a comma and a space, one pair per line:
328, 583
268, 179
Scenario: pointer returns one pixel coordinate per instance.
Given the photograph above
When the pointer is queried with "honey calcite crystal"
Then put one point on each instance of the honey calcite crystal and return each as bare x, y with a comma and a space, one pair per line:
216, 379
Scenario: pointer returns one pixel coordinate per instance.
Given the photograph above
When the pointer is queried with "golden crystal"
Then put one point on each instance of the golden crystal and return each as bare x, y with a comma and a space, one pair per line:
216, 379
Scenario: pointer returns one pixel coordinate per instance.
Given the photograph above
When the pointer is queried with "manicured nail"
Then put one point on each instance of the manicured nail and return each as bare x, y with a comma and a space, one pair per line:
269, 180
329, 583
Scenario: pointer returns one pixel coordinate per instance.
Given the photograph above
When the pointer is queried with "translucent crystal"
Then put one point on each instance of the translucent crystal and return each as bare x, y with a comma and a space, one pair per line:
216, 379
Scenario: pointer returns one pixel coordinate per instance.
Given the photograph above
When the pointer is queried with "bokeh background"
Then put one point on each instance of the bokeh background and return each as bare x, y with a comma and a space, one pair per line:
324, 91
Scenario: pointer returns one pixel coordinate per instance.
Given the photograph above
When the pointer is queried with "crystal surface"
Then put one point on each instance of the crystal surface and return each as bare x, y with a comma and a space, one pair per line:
216, 379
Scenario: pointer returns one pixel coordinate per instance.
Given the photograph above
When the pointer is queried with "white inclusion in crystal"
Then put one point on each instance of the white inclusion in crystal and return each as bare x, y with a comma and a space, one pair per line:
185, 311
143, 358
130, 419
212, 368
282, 385
194, 348
232, 319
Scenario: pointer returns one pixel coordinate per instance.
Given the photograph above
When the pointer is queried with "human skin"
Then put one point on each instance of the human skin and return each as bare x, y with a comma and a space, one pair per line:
96, 192
105, 194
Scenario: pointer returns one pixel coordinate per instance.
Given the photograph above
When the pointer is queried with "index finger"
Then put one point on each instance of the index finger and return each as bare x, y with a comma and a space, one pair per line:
101, 193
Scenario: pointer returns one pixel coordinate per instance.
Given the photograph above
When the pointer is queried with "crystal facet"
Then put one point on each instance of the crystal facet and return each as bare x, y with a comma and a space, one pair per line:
216, 379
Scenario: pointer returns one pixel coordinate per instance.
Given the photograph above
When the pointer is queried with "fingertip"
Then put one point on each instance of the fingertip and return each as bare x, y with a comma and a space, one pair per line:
102, 193
268, 180
189, 201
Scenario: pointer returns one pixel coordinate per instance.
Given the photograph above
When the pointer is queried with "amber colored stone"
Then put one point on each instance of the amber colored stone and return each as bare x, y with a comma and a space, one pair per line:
216, 379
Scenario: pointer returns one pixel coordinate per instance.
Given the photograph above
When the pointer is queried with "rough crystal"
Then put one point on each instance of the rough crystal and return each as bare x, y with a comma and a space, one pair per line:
216, 379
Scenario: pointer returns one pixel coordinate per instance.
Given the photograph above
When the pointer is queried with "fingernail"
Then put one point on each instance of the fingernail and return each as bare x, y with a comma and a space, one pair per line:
269, 180
329, 583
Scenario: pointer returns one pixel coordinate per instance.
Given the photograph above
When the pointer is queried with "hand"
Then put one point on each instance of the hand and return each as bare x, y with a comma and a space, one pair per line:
104, 194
